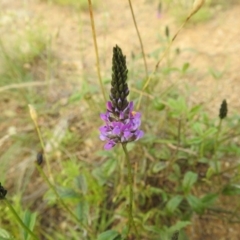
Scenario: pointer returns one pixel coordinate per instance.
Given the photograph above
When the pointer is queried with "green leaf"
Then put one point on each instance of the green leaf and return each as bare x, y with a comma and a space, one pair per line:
76, 97
67, 193
109, 167
215, 73
81, 183
210, 172
83, 211
173, 203
158, 105
209, 132
109, 235
179, 225
209, 199
103, 172
185, 67
196, 204
4, 235
29, 220
196, 140
188, 181
194, 111
159, 166
198, 128
231, 190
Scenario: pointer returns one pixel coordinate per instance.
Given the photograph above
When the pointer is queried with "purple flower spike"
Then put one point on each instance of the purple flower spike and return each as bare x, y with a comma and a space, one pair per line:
121, 122
120, 130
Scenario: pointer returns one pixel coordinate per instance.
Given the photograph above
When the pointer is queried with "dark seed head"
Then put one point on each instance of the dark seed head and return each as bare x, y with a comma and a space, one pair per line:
119, 87
40, 158
167, 31
3, 192
223, 109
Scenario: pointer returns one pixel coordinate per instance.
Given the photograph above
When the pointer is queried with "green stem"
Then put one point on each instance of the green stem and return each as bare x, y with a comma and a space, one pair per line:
139, 37
96, 49
216, 146
160, 60
19, 219
130, 182
60, 199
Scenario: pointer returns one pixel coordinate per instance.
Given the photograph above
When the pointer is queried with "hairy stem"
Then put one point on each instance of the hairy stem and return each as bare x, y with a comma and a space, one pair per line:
131, 222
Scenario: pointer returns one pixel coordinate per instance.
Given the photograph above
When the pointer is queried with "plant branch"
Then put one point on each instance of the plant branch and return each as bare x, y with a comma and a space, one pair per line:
139, 37
130, 182
96, 49
194, 10
19, 219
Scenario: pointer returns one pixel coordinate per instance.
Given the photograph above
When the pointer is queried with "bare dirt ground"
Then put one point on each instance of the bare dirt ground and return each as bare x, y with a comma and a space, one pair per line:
216, 45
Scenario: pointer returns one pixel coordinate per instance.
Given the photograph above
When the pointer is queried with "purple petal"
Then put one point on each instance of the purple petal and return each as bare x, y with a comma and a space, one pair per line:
116, 130
109, 106
130, 106
109, 145
104, 116
121, 115
104, 129
102, 137
139, 134
127, 135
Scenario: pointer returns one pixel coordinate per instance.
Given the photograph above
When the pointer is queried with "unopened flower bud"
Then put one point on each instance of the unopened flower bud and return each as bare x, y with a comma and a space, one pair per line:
196, 7
33, 112
167, 31
3, 192
223, 109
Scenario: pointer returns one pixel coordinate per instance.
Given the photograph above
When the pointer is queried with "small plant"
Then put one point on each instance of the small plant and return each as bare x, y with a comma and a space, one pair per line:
184, 168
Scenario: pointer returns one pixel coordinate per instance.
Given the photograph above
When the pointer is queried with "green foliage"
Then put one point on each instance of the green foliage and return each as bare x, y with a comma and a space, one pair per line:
4, 235
109, 235
29, 220
178, 166
20, 50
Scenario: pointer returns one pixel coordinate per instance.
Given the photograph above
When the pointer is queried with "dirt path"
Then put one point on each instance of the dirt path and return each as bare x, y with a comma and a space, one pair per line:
215, 44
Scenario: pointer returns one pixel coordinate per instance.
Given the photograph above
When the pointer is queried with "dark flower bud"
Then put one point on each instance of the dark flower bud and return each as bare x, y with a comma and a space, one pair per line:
167, 31
119, 87
223, 109
40, 158
3, 192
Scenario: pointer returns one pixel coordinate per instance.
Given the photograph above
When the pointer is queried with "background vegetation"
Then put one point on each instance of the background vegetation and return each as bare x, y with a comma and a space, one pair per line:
185, 168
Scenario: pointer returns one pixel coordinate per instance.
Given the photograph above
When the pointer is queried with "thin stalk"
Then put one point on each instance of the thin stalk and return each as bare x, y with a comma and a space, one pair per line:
216, 147
34, 118
131, 222
164, 54
43, 175
96, 49
19, 219
139, 37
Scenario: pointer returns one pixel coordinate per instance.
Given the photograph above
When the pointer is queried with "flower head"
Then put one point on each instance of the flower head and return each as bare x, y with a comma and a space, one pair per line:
3, 192
223, 109
121, 122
